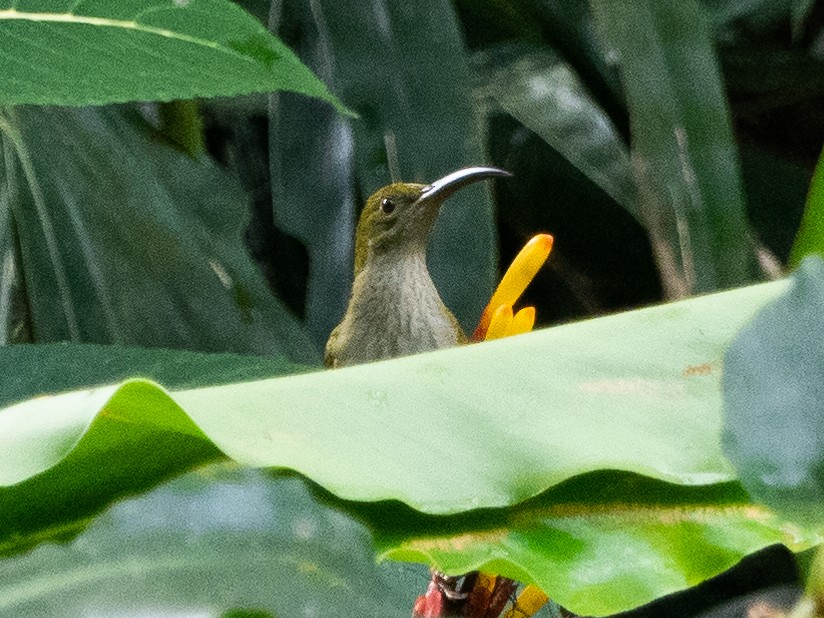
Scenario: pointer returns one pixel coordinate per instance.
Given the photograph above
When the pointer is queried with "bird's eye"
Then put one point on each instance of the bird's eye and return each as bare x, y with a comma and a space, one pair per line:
387, 206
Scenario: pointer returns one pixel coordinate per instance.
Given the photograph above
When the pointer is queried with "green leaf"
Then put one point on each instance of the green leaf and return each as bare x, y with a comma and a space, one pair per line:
60, 501
52, 368
810, 238
682, 144
125, 240
415, 94
774, 398
14, 316
522, 414
451, 431
312, 170
801, 10
544, 93
598, 544
92, 52
748, 15
210, 542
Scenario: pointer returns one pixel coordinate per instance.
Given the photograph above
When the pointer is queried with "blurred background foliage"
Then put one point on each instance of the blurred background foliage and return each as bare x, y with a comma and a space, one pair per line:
667, 146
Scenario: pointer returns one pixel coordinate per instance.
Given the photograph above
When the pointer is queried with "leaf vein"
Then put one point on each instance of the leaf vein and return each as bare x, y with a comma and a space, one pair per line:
68, 18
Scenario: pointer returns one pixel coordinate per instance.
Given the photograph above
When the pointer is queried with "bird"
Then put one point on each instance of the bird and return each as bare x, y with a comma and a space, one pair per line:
394, 308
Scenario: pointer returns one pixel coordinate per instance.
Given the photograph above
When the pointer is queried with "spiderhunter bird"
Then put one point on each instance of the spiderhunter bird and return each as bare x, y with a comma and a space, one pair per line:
394, 310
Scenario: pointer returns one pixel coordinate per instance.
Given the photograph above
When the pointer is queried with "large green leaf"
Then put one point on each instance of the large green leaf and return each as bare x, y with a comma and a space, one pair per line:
478, 426
91, 52
60, 501
682, 144
125, 240
598, 544
406, 73
209, 539
774, 398
207, 543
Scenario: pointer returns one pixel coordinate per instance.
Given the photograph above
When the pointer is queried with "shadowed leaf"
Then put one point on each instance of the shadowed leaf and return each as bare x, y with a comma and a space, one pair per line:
774, 398
124, 240
682, 145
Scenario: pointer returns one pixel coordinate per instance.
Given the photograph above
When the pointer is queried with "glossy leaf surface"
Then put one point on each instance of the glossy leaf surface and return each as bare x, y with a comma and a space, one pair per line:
511, 436
92, 52
598, 544
545, 93
375, 432
60, 501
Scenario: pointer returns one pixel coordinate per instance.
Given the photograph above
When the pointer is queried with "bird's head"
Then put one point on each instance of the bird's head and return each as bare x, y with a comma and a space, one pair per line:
400, 216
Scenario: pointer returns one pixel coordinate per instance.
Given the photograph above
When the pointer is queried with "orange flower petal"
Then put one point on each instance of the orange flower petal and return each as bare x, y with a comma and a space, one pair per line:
523, 321
486, 581
528, 603
501, 323
519, 274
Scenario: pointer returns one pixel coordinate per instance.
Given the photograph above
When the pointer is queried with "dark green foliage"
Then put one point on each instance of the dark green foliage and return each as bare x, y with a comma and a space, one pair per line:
774, 395
668, 146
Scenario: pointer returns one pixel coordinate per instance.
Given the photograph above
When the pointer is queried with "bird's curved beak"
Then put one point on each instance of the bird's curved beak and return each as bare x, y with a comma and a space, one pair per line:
444, 187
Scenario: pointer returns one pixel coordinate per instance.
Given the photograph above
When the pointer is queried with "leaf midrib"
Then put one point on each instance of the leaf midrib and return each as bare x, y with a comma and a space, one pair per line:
70, 18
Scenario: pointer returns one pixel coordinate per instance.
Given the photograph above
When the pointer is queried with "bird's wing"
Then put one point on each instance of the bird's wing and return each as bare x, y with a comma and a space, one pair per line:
330, 353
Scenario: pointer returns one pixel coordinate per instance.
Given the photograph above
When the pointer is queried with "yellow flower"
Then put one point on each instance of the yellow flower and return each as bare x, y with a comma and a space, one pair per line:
528, 603
498, 319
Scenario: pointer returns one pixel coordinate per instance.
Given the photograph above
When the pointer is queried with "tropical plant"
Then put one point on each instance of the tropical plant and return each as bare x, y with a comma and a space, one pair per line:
176, 217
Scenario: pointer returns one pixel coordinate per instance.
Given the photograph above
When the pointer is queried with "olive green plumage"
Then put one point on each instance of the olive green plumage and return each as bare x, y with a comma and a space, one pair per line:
394, 308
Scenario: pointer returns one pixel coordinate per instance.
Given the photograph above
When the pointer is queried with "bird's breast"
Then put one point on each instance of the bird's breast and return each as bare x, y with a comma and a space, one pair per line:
392, 316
